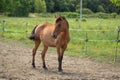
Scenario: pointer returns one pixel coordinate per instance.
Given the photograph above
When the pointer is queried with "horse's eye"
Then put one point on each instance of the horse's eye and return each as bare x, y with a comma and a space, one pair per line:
59, 25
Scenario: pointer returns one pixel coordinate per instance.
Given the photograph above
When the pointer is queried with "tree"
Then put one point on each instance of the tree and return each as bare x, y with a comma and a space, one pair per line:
100, 9
5, 6
50, 5
15, 7
110, 8
40, 6
32, 8
21, 8
74, 5
116, 2
62, 5
91, 4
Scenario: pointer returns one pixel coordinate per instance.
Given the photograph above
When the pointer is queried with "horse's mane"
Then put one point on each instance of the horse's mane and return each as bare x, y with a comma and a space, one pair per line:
60, 18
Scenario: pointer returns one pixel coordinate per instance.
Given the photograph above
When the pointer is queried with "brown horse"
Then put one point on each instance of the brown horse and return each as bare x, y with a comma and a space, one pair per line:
51, 35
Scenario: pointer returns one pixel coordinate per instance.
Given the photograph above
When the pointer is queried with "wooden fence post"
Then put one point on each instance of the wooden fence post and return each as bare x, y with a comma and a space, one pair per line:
117, 41
3, 27
86, 40
26, 31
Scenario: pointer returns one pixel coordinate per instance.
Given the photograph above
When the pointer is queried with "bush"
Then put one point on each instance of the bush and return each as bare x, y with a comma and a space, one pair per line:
72, 15
68, 14
100, 9
102, 15
45, 15
20, 9
19, 13
85, 11
84, 20
114, 15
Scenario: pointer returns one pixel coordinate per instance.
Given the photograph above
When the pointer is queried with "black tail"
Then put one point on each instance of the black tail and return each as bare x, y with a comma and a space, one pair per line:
33, 36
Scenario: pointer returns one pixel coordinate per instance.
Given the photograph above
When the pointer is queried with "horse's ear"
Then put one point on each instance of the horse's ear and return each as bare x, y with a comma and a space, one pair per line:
56, 16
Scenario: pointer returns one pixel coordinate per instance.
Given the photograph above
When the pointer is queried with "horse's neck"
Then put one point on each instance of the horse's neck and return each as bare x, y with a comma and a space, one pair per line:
66, 35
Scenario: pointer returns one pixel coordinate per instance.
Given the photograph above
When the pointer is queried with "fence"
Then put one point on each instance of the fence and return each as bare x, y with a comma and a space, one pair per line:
4, 30
85, 38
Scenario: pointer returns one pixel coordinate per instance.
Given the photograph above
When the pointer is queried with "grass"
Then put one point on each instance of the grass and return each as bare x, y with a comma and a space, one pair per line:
96, 49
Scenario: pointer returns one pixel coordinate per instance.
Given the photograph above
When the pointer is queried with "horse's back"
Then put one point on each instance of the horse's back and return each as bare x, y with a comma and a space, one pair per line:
43, 27
45, 32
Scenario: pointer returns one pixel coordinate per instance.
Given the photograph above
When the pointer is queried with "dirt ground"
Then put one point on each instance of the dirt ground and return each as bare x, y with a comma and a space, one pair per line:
15, 64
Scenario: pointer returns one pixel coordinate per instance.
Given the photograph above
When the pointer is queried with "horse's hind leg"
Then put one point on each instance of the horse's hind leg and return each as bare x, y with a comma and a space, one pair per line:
37, 43
43, 56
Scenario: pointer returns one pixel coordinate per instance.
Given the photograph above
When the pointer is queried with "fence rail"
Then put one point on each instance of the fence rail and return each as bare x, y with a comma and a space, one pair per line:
113, 30
86, 39
4, 30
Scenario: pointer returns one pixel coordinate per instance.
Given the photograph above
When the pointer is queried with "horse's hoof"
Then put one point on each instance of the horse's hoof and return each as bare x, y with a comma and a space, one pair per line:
33, 66
45, 68
60, 72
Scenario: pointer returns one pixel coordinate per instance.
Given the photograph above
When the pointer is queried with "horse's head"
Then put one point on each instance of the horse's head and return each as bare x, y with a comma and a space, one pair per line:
61, 25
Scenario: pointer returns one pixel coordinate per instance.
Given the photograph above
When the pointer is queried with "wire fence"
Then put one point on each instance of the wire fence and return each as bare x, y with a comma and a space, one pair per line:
86, 39
76, 36
6, 29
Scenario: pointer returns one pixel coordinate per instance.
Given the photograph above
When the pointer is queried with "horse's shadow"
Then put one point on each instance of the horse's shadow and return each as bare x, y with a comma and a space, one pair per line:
55, 72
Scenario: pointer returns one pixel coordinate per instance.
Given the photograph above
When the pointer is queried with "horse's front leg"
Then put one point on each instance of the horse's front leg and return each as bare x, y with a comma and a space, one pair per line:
43, 56
60, 52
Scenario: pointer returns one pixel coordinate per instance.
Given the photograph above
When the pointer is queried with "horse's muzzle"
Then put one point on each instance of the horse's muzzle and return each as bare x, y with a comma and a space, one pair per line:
54, 35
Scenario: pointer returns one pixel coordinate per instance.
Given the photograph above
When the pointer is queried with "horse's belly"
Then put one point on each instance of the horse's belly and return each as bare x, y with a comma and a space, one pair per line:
49, 43
46, 37
48, 40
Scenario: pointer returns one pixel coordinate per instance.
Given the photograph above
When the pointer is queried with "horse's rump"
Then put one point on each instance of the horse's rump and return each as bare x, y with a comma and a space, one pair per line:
38, 29
33, 36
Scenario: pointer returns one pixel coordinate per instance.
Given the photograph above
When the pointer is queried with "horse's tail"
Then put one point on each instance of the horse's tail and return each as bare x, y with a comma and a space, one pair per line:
33, 36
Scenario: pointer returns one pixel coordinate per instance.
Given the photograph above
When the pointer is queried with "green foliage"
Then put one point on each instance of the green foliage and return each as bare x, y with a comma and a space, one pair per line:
85, 11
50, 5
116, 2
75, 15
24, 7
61, 5
16, 7
100, 9
84, 20
94, 6
114, 15
46, 15
91, 4
40, 6
5, 5
103, 15
72, 15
